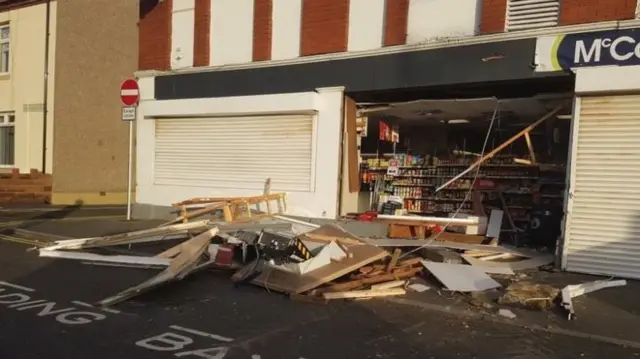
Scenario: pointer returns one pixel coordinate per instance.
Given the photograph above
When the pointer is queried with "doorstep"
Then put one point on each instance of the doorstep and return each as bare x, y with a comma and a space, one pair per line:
609, 313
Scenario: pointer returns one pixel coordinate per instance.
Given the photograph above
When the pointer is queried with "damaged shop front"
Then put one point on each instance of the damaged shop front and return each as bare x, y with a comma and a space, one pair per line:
494, 146
601, 233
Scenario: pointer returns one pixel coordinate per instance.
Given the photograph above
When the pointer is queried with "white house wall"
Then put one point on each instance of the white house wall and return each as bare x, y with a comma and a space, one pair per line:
431, 20
366, 24
21, 90
182, 34
326, 103
231, 32
286, 22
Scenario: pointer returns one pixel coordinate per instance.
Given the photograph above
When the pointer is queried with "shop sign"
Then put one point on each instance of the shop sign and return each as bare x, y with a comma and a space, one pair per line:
590, 49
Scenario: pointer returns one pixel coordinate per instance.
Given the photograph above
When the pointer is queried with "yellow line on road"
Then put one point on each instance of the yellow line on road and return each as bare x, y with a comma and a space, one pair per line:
79, 219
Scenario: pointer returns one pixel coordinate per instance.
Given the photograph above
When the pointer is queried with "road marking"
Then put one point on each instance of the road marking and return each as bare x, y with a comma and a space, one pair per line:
202, 334
20, 301
15, 286
108, 310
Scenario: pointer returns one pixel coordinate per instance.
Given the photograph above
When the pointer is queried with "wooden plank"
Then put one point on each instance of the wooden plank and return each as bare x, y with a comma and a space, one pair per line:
388, 285
352, 144
180, 267
394, 259
532, 153
501, 147
153, 234
115, 259
365, 293
354, 284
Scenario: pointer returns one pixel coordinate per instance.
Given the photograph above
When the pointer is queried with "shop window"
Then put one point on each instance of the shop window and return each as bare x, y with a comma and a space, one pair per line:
5, 54
7, 139
532, 14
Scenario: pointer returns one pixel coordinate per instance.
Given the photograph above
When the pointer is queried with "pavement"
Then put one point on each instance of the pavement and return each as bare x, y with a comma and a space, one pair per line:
46, 312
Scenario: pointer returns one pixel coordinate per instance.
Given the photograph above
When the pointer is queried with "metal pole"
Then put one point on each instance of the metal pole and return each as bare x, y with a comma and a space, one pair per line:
130, 170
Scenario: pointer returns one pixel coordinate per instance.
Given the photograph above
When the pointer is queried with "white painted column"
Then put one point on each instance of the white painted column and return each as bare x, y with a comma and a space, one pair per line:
231, 33
182, 33
145, 136
286, 20
366, 24
330, 118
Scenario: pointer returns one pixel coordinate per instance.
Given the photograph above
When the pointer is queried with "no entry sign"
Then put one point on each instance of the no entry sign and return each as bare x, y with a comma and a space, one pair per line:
129, 92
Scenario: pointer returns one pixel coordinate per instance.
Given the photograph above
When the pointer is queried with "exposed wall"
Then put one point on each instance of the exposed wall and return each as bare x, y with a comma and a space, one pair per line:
431, 20
586, 11
322, 202
97, 50
155, 34
22, 89
571, 12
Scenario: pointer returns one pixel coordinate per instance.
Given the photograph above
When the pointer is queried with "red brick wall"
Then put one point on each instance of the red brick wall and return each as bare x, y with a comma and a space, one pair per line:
493, 16
25, 188
325, 26
262, 10
155, 36
585, 11
395, 24
202, 31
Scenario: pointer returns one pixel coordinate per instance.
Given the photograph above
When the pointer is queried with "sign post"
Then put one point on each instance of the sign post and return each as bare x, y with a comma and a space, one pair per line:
129, 96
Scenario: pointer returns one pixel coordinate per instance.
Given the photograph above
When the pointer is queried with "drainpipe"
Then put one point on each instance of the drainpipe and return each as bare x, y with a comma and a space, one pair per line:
45, 102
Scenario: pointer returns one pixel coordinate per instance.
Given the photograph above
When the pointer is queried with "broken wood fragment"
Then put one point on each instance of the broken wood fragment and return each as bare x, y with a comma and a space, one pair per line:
364, 293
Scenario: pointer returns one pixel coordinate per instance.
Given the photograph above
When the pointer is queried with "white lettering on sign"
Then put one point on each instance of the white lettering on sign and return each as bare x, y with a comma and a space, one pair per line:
21, 301
593, 54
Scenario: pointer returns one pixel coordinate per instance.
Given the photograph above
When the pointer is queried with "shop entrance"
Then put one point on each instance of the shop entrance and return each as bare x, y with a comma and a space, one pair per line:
458, 157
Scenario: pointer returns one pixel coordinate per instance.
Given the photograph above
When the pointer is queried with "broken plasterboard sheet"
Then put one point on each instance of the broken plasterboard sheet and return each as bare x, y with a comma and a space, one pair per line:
527, 263
115, 259
181, 266
461, 277
327, 254
288, 282
146, 235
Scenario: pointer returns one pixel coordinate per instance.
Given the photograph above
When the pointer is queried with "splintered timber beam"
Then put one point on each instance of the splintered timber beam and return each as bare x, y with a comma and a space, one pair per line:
506, 143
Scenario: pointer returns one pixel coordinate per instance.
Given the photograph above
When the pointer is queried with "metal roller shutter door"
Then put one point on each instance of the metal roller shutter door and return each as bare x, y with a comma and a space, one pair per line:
604, 220
235, 152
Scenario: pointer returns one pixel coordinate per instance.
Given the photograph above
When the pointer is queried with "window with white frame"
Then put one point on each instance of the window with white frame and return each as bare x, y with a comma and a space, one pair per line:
7, 138
5, 48
532, 14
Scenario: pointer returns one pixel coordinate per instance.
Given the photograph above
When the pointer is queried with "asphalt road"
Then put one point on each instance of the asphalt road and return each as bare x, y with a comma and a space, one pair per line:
45, 312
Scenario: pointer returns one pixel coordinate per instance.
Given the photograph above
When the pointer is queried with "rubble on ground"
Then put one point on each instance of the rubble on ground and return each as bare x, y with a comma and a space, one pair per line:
253, 239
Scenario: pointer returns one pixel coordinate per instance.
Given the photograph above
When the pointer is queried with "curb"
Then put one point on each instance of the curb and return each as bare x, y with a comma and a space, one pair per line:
498, 320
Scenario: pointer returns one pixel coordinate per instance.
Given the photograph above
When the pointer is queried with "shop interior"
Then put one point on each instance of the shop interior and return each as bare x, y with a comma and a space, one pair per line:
455, 157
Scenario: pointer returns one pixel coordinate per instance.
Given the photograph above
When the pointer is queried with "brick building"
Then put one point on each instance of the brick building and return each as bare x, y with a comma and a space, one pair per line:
237, 91
61, 64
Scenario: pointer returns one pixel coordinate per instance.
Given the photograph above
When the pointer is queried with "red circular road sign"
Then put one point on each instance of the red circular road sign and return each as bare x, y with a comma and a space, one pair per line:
129, 92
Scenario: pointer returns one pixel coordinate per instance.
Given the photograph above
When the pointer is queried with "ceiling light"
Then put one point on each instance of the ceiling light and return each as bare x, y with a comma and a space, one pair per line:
564, 117
459, 120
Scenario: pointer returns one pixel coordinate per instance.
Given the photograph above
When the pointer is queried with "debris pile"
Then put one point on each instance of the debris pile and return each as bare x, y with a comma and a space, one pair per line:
307, 261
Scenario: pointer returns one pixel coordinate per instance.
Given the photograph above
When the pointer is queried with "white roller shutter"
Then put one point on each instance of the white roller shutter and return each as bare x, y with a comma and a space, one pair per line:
235, 152
603, 227
532, 14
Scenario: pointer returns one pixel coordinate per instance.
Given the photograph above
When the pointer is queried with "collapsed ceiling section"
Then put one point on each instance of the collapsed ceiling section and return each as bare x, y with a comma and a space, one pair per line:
464, 110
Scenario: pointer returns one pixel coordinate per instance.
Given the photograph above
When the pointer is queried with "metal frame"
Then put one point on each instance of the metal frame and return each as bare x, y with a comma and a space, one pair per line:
570, 180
